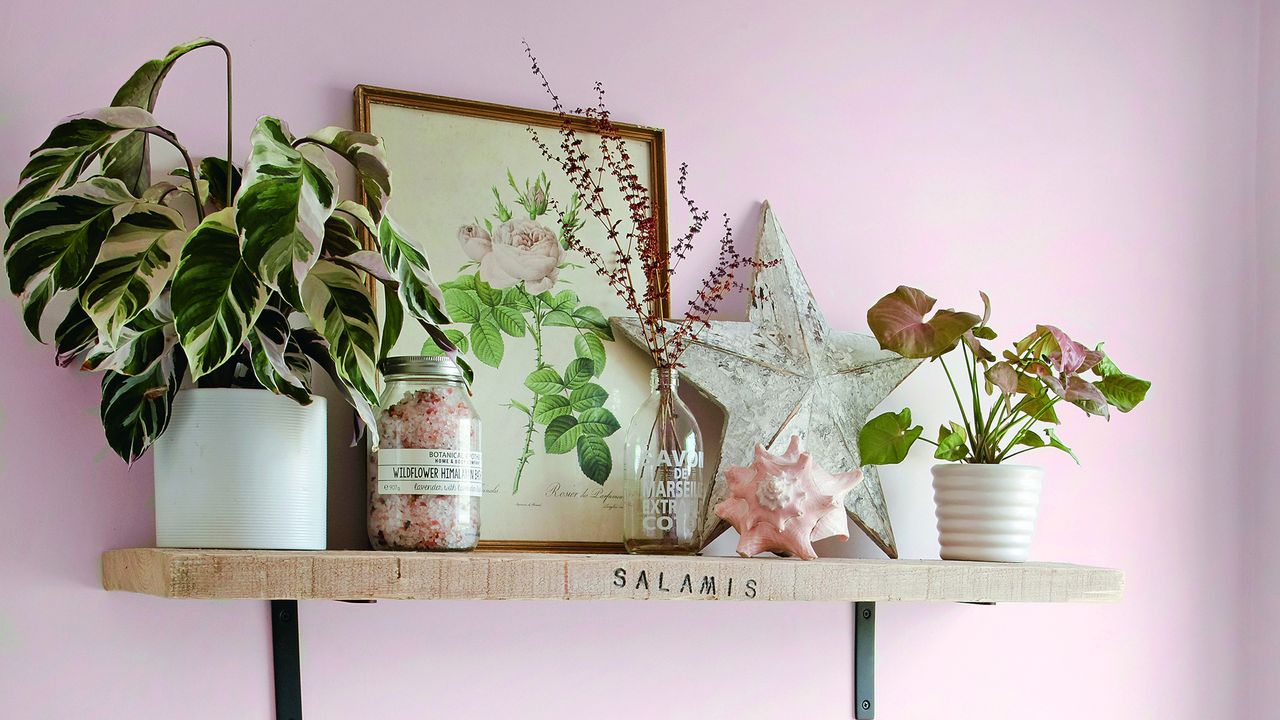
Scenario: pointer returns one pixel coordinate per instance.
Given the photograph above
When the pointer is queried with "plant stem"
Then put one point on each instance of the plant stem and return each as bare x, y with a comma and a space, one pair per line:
227, 52
963, 415
191, 168
535, 329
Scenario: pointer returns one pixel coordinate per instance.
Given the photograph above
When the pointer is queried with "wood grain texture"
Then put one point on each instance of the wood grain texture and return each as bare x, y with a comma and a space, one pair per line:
364, 575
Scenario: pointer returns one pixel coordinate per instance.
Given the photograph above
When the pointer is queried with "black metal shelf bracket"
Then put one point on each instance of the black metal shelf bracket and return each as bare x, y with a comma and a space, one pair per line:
285, 658
864, 660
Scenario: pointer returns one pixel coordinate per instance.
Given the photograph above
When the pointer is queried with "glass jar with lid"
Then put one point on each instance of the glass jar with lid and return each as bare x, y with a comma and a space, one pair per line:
425, 479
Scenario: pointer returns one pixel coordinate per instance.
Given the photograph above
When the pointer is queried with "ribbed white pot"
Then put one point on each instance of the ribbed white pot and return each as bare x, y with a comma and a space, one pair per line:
242, 469
986, 512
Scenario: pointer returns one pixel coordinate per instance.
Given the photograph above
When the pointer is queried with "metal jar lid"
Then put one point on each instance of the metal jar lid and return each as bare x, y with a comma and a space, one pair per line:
432, 367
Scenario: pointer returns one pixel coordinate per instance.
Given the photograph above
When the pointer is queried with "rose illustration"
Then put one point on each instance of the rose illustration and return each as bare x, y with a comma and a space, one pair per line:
517, 250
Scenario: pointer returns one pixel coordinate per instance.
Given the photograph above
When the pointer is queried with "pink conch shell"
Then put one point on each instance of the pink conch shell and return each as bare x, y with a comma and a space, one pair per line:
782, 503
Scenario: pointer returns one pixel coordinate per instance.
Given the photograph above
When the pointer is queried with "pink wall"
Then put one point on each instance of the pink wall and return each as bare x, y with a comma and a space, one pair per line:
1263, 527
1086, 163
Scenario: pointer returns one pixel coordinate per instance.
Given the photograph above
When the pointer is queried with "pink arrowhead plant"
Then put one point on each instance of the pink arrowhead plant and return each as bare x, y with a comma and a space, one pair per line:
1022, 388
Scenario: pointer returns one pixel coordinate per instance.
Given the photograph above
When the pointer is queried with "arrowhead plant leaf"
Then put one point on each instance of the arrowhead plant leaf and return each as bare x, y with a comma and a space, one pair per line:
897, 320
886, 439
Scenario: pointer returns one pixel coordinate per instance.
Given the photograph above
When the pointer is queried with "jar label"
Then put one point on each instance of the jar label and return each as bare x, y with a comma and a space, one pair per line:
418, 471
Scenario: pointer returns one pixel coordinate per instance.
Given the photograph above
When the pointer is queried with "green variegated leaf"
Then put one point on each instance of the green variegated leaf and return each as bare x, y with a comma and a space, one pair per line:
338, 304
142, 343
128, 161
368, 261
285, 198
75, 336
422, 297
222, 190
341, 235
366, 155
216, 297
594, 458
52, 244
588, 396
135, 409
392, 325
71, 146
314, 346
135, 263
277, 359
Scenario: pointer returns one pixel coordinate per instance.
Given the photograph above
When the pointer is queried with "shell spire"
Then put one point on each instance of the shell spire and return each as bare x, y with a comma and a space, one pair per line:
783, 503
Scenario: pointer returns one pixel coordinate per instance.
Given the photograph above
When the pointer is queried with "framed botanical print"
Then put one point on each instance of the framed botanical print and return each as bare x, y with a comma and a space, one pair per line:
552, 386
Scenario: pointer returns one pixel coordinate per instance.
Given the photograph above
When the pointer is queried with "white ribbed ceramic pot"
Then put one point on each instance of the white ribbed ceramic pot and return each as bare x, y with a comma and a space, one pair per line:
986, 512
242, 469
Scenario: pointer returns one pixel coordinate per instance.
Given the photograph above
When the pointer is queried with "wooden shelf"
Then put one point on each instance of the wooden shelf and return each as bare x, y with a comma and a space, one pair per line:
353, 575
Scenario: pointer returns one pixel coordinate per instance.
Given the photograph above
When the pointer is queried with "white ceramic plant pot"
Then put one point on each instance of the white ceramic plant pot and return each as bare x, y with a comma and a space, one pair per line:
242, 469
986, 512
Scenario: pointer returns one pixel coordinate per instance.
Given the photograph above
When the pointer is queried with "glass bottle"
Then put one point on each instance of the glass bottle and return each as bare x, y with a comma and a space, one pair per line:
664, 493
425, 478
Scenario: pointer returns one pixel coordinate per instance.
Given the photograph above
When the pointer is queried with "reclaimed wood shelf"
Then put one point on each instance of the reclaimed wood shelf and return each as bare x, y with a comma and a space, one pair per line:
356, 575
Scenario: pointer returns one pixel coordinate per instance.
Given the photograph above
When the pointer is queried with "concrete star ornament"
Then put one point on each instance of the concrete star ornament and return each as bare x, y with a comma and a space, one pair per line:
785, 372
782, 503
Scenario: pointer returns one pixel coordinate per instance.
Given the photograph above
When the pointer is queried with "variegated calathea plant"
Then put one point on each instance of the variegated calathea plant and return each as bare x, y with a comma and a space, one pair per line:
238, 277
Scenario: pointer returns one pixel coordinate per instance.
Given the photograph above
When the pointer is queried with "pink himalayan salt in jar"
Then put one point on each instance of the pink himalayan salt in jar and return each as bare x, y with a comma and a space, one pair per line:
425, 475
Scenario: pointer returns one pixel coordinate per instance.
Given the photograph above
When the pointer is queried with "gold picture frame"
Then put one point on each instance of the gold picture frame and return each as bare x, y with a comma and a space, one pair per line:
380, 111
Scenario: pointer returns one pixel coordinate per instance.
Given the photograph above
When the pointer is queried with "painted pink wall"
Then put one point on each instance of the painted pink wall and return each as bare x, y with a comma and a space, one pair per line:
1263, 526
1086, 163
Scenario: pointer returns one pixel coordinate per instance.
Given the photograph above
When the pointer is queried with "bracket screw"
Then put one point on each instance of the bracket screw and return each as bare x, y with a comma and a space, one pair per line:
866, 614
866, 704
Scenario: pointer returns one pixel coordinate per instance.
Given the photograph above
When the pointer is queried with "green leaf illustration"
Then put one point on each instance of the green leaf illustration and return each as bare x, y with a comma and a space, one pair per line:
550, 407
594, 458
509, 320
430, 348
462, 305
588, 396
590, 318
486, 343
487, 295
562, 435
597, 422
579, 372
544, 381
591, 346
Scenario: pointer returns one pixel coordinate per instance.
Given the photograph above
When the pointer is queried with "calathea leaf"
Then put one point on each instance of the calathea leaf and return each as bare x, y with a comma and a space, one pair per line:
135, 263
342, 229
52, 244
367, 156
128, 161
314, 346
135, 409
285, 198
216, 297
392, 324
277, 358
214, 171
338, 304
421, 295
76, 335
76, 141
143, 342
